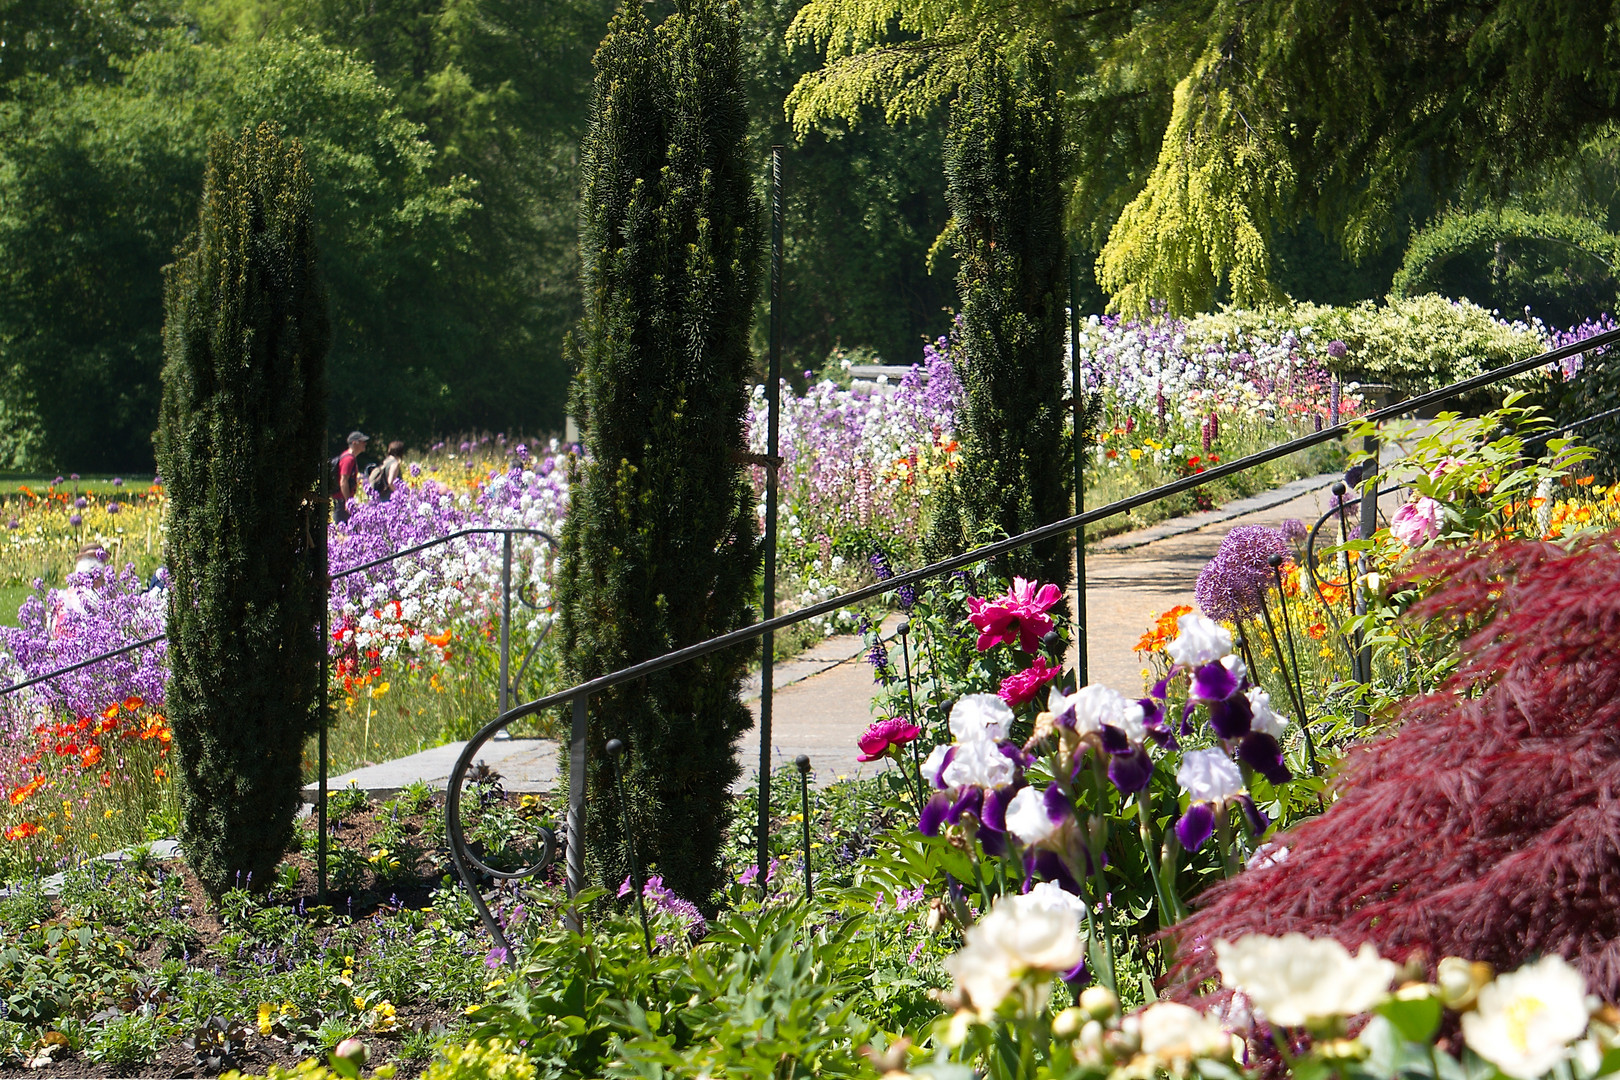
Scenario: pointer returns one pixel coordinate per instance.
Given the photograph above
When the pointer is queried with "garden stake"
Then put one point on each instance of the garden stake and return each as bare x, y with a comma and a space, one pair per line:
803, 764
615, 750
773, 408
325, 570
904, 630
1299, 687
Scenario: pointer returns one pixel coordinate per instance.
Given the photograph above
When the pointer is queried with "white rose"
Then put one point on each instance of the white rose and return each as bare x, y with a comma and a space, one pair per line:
1176, 1032
1265, 720
1199, 640
1294, 980
978, 763
1209, 776
1027, 818
980, 716
1524, 1022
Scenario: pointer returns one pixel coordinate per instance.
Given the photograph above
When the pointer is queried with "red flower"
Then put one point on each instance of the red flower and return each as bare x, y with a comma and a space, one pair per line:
22, 831
885, 735
1018, 616
1021, 688
90, 758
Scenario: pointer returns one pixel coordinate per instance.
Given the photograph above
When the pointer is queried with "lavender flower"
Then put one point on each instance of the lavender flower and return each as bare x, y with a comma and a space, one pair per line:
1232, 586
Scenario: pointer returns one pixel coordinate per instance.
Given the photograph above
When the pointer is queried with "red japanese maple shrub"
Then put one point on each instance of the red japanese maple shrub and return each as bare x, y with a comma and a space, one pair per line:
1488, 827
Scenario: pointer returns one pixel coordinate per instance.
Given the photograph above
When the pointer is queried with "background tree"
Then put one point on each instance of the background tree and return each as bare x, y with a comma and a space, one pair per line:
240, 445
660, 549
1004, 170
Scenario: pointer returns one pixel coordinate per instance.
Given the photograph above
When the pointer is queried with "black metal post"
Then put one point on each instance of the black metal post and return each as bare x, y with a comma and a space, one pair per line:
505, 697
1369, 525
324, 568
1078, 396
904, 633
615, 751
803, 764
576, 811
773, 406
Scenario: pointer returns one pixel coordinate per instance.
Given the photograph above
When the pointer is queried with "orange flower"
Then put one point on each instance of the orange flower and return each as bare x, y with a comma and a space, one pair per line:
1163, 631
1317, 631
110, 712
90, 758
105, 726
158, 772
22, 831
133, 702
106, 778
1332, 593
440, 639
22, 794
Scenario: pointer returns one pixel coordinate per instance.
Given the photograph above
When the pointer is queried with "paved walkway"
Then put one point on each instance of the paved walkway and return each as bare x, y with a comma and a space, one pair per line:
823, 698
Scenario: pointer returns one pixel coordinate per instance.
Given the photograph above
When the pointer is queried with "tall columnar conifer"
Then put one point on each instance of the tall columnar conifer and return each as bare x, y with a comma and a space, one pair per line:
240, 444
1004, 162
661, 547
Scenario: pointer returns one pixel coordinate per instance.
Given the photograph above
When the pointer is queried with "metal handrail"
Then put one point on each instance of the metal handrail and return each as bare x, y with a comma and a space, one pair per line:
467, 864
156, 638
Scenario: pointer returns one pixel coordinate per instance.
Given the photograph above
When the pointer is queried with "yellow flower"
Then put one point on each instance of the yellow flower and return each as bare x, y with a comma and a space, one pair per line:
379, 690
265, 1024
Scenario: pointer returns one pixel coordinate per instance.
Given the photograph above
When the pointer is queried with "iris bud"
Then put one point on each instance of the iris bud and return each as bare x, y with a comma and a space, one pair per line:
1099, 1002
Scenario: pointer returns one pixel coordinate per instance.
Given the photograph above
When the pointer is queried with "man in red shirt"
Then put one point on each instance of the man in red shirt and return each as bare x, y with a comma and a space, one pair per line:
348, 475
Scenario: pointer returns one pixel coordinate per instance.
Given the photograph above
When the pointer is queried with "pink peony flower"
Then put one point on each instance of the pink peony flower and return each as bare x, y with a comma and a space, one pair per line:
1445, 465
1022, 687
1019, 616
1417, 522
884, 735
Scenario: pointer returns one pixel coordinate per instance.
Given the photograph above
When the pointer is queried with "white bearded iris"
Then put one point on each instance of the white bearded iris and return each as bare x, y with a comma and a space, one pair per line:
1199, 640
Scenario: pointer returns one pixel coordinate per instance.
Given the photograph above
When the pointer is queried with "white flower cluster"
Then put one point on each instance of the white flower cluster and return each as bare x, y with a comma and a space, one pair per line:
1033, 934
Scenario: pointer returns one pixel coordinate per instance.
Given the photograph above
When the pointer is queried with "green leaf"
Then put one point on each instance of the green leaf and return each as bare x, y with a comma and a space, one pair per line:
1416, 1019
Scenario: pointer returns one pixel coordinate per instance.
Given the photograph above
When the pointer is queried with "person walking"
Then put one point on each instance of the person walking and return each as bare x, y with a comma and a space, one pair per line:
385, 477
348, 475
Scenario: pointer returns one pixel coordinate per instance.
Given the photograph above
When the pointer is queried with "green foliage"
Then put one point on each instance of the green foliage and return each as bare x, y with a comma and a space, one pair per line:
1003, 167
661, 551
1562, 267
1592, 391
240, 446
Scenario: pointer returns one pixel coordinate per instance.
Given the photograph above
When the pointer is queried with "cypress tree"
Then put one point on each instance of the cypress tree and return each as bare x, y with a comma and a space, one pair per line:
661, 548
240, 443
1003, 176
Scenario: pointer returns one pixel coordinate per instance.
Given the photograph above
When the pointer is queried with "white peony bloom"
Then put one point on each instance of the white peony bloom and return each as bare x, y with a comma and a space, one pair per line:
1049, 894
1019, 935
1209, 776
1265, 720
978, 763
1027, 818
1173, 1032
980, 716
1199, 640
1524, 1022
1293, 980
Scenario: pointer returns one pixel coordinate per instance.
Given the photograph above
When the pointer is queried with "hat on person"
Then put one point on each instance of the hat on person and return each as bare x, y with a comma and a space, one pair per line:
92, 551
359, 436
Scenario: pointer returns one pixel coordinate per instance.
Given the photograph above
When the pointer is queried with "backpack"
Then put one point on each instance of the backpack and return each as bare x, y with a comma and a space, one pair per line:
377, 480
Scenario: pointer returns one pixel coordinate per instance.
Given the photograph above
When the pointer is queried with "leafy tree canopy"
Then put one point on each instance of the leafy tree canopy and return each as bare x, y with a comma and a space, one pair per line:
1203, 126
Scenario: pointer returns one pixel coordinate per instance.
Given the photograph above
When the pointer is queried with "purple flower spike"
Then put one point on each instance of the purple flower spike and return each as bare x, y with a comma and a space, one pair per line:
1231, 718
1263, 754
1258, 822
1196, 826
934, 813
1214, 682
1131, 772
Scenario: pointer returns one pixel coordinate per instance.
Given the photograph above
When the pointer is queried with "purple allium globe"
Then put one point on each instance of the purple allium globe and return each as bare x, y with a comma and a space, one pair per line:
80, 503
73, 476
118, 481
1233, 584
112, 508
75, 520
1338, 349
1294, 531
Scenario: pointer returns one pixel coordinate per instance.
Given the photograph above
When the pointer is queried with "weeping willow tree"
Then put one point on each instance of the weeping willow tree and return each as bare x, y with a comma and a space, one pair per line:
1203, 129
661, 548
1003, 182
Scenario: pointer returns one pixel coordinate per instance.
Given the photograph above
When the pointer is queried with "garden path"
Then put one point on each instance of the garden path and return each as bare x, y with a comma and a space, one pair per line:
823, 700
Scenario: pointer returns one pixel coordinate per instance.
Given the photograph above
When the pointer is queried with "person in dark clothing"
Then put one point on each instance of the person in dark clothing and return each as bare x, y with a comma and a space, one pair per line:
348, 475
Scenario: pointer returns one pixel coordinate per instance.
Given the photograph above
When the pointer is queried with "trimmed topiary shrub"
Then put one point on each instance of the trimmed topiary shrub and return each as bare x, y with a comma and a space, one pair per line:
660, 549
1004, 184
239, 446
